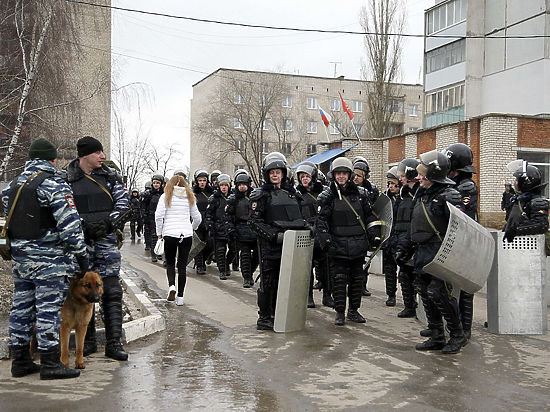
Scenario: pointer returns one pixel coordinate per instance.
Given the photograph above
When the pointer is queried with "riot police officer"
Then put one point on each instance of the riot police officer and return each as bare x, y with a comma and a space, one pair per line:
43, 226
100, 199
274, 209
136, 221
216, 223
344, 215
389, 263
404, 248
361, 170
238, 205
202, 190
462, 168
311, 188
428, 226
149, 202
214, 178
529, 214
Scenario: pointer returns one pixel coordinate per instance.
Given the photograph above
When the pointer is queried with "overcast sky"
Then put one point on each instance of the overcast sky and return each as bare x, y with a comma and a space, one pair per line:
198, 49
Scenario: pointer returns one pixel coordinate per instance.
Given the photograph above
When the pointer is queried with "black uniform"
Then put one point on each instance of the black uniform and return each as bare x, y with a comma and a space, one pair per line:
218, 227
435, 293
238, 205
389, 248
273, 210
202, 196
373, 194
404, 248
529, 215
341, 233
136, 220
506, 202
149, 204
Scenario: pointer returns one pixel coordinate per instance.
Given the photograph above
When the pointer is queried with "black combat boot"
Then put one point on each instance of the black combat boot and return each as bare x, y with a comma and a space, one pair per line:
365, 291
265, 321
466, 304
435, 342
354, 292
90, 342
112, 311
340, 319
52, 368
310, 302
426, 332
327, 298
354, 316
153, 257
407, 313
409, 294
21, 361
390, 301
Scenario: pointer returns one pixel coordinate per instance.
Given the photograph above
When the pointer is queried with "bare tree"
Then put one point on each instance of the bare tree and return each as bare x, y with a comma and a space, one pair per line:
252, 121
386, 19
161, 159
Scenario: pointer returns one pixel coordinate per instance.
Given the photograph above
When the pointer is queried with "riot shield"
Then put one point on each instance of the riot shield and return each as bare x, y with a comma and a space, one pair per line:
466, 254
196, 247
290, 312
383, 210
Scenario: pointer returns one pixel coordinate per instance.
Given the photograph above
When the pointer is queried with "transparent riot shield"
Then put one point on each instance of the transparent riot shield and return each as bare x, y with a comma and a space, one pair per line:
466, 254
383, 210
290, 312
196, 247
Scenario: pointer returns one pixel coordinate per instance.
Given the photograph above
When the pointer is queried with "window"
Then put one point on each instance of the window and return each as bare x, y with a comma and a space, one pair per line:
357, 106
446, 56
265, 124
334, 128
445, 15
413, 110
394, 129
287, 125
335, 104
237, 124
359, 128
239, 145
286, 148
442, 100
265, 148
311, 127
311, 149
287, 101
263, 100
311, 103
395, 106
238, 98
237, 167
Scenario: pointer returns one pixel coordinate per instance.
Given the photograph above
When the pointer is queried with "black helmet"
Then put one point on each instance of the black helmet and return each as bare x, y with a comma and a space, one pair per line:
181, 173
342, 164
224, 178
461, 157
436, 166
239, 172
201, 173
274, 160
214, 175
134, 190
243, 178
159, 178
309, 168
407, 167
529, 177
360, 163
148, 185
392, 173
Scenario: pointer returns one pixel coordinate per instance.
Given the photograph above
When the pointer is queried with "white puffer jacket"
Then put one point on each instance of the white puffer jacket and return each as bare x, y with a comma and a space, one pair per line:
178, 219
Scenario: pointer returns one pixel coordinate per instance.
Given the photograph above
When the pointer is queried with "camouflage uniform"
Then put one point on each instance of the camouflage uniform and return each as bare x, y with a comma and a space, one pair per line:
40, 265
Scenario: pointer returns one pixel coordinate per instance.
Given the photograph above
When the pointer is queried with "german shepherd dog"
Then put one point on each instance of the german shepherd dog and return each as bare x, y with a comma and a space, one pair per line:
76, 313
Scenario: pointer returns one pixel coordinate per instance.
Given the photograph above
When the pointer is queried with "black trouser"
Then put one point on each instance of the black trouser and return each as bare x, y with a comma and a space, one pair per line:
390, 272
269, 283
147, 233
406, 280
250, 258
347, 274
177, 246
233, 250
200, 257
322, 270
466, 304
438, 301
133, 223
224, 255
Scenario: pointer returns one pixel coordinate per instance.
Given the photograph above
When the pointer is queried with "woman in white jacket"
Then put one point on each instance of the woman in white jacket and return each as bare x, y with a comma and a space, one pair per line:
176, 217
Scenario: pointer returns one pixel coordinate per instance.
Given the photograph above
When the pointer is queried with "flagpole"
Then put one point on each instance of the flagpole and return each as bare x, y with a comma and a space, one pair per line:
326, 133
356, 134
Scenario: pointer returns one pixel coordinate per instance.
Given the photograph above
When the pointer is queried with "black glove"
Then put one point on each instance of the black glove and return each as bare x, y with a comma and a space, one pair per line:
401, 257
324, 240
95, 230
83, 265
510, 233
312, 231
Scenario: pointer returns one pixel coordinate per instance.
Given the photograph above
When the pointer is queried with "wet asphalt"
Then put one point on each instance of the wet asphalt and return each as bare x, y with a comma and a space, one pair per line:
210, 357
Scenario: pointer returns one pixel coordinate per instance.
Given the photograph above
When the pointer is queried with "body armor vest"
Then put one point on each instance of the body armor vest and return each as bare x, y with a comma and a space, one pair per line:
220, 211
202, 202
32, 220
421, 230
343, 221
309, 206
241, 210
92, 203
282, 208
404, 213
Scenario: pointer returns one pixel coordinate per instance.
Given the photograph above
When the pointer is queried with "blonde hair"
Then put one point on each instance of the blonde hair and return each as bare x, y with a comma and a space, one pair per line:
180, 181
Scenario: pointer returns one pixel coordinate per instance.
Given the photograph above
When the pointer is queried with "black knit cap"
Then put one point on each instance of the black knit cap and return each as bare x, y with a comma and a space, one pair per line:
42, 149
88, 145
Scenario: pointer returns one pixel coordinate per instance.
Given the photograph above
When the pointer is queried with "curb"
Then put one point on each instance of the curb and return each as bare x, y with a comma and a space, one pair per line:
151, 322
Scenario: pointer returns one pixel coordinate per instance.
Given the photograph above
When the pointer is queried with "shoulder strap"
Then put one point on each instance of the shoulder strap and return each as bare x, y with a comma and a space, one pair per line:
100, 186
10, 214
430, 221
355, 213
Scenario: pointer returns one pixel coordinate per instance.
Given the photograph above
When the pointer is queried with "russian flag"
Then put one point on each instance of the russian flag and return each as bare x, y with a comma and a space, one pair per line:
325, 117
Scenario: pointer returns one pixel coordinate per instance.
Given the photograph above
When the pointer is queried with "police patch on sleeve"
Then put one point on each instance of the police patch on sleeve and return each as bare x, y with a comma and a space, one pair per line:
70, 201
254, 205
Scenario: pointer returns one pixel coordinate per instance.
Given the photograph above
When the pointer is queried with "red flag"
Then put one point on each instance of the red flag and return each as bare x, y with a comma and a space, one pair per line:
346, 108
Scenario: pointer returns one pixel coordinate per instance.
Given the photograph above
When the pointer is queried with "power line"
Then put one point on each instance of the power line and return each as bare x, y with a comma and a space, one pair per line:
305, 30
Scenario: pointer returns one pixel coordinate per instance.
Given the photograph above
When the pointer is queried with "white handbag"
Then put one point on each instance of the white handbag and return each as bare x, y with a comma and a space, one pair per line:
159, 247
